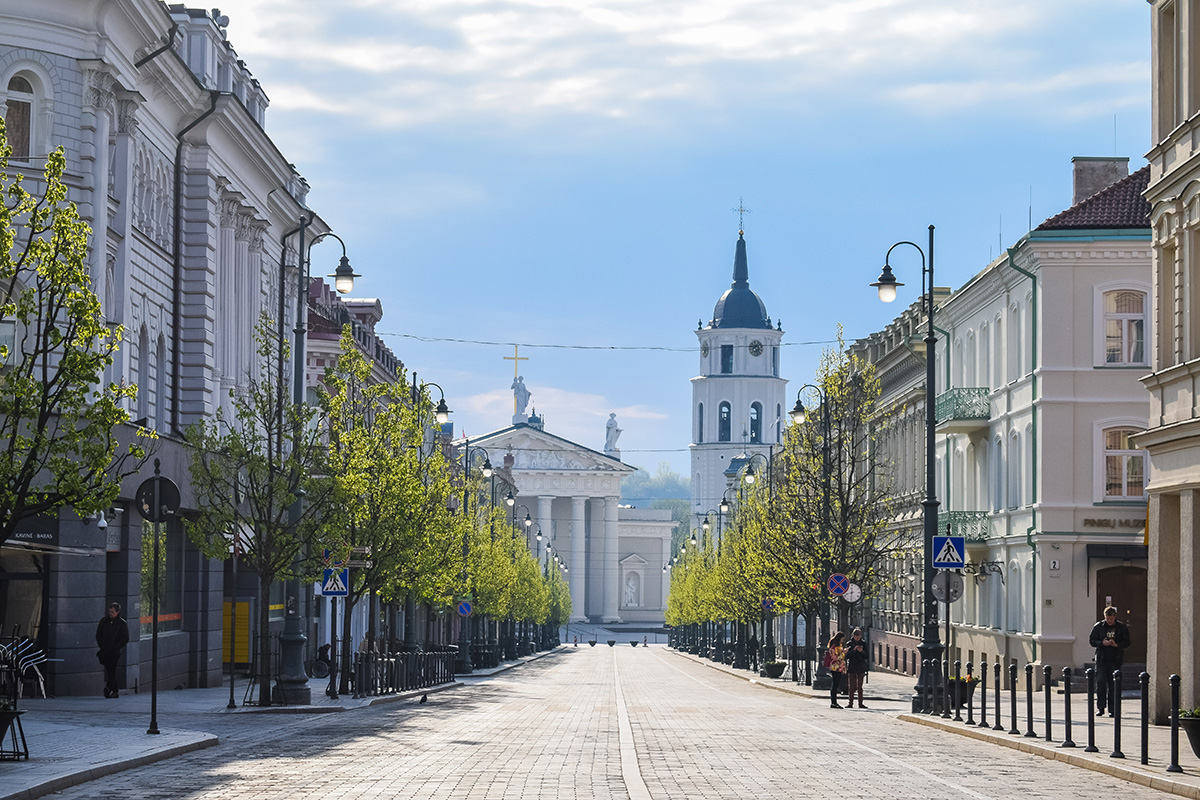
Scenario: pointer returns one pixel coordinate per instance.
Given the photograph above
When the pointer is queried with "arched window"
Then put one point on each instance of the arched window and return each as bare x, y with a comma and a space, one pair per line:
778, 423
700, 424
18, 117
1013, 623
1124, 466
1125, 328
161, 389
997, 470
724, 422
756, 423
141, 375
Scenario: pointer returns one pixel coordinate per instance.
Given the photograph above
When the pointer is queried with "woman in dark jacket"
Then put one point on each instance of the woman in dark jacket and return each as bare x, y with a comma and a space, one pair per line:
857, 661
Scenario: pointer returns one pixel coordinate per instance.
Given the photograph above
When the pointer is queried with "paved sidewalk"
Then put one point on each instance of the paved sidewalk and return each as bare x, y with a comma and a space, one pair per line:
888, 688
73, 740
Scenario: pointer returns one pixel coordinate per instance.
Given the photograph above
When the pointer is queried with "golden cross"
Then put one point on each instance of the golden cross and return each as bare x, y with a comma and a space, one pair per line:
516, 358
742, 211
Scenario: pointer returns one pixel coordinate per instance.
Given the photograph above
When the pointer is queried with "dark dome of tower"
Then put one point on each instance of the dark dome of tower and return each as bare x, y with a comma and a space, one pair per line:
740, 307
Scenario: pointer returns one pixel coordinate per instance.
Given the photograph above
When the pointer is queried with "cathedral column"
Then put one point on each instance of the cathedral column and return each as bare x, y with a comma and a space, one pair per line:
611, 570
578, 563
545, 503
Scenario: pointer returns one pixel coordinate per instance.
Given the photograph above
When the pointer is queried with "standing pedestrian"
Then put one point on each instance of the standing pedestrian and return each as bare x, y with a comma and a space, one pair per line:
1110, 637
835, 662
857, 662
112, 634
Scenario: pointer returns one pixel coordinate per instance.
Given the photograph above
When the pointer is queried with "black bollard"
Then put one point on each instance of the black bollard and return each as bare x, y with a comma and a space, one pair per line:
1115, 705
958, 691
1174, 765
1144, 680
1047, 674
945, 688
1091, 703
1029, 731
925, 696
983, 688
996, 672
1012, 696
1067, 674
970, 695
931, 686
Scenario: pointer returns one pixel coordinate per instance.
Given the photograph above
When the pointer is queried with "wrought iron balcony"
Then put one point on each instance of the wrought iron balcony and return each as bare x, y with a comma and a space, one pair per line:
963, 410
973, 525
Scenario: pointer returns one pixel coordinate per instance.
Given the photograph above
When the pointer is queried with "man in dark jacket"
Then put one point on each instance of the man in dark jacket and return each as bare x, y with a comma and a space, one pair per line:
1110, 637
112, 634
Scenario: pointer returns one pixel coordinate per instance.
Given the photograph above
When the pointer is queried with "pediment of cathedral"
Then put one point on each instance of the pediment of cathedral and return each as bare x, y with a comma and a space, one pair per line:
534, 450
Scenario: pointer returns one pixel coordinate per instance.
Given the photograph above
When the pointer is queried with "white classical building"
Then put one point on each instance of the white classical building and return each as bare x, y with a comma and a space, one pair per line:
615, 555
738, 397
1038, 360
193, 211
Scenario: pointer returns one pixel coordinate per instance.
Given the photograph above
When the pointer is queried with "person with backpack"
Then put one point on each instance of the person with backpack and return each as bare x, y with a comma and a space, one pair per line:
858, 659
835, 662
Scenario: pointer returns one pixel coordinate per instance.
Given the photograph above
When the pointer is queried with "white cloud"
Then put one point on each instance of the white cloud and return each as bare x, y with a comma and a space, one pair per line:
399, 65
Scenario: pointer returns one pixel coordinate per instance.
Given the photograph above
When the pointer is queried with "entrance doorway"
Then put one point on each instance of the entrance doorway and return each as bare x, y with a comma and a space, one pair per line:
1125, 588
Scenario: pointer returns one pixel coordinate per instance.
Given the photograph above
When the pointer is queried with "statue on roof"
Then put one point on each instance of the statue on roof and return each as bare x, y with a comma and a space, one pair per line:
520, 396
611, 433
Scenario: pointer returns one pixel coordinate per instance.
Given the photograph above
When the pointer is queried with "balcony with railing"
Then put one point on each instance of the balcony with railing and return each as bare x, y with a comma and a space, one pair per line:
972, 525
963, 410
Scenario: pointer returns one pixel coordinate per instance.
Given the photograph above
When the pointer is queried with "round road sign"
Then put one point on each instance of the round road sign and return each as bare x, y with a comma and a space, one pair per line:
838, 584
947, 586
464, 608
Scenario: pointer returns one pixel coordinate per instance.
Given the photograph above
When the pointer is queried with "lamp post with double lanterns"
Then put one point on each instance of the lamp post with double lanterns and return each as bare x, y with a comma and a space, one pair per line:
462, 660
799, 415
931, 645
517, 640
768, 604
291, 687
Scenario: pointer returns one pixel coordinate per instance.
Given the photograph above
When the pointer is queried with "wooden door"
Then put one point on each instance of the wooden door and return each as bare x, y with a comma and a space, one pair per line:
1125, 588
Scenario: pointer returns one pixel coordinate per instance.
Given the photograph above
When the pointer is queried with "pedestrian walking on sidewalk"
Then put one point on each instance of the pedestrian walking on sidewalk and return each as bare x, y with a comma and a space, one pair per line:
1110, 637
857, 662
112, 634
835, 662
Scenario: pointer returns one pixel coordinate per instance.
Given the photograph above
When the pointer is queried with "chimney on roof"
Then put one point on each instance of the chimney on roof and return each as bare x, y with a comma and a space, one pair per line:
1095, 173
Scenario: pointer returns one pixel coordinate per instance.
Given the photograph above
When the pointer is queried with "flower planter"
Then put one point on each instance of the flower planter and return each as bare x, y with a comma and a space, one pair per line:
773, 669
612, 642
1191, 726
592, 643
961, 692
635, 643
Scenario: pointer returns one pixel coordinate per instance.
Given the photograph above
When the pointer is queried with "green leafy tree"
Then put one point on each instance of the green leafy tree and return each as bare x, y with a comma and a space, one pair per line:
58, 413
248, 470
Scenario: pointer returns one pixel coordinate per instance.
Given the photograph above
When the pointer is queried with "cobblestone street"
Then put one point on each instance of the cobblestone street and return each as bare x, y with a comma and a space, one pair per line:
600, 723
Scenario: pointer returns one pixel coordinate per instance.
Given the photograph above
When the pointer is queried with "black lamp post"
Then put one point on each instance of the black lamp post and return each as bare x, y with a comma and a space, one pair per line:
518, 644
799, 415
768, 640
462, 660
292, 685
931, 645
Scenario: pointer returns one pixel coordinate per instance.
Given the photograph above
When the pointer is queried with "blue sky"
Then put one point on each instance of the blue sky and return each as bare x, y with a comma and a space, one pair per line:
563, 172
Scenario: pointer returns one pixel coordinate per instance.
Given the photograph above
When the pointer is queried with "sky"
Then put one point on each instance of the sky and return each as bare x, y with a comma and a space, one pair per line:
563, 174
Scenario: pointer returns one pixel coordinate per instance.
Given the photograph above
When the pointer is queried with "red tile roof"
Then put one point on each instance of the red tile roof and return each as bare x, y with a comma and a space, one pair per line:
1119, 206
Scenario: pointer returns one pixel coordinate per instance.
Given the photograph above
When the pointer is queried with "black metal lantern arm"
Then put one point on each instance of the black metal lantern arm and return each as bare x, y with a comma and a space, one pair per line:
344, 275
982, 569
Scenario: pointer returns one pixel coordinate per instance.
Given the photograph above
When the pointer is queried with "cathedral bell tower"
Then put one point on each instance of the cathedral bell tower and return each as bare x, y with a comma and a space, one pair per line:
738, 397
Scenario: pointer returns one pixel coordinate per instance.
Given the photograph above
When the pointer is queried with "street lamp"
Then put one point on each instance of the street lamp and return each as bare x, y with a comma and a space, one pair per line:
931, 645
291, 687
462, 661
799, 415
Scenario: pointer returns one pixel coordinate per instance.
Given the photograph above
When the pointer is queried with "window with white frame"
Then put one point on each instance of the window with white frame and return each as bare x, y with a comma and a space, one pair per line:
1124, 466
18, 116
1125, 328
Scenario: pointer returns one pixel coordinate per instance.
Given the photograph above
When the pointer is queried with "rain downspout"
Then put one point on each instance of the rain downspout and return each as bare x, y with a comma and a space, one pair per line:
1033, 438
176, 254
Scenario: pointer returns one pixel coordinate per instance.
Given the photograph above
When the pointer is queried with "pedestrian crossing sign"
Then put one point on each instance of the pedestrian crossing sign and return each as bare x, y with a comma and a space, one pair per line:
949, 552
336, 583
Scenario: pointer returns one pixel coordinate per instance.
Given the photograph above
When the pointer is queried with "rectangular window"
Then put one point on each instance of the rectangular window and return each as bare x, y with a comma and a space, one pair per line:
1124, 328
17, 125
1124, 467
726, 359
170, 577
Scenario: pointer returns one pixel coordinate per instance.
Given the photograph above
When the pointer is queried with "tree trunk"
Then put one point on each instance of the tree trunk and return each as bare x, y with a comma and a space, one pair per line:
263, 670
347, 643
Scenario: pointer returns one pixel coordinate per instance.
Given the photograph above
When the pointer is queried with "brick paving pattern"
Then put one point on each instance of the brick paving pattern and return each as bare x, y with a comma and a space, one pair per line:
553, 729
